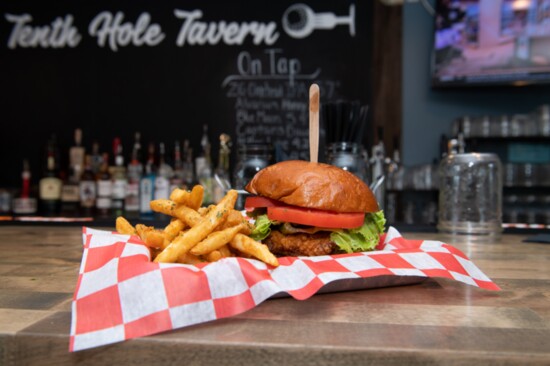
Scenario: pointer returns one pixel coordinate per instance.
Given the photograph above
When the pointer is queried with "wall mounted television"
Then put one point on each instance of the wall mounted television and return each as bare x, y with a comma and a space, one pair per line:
491, 42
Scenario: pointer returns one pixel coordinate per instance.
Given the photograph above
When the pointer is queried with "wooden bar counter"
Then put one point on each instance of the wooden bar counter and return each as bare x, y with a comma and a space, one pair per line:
432, 322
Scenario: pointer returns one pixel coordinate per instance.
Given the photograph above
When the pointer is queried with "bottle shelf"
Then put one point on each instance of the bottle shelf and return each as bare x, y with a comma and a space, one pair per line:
507, 139
81, 221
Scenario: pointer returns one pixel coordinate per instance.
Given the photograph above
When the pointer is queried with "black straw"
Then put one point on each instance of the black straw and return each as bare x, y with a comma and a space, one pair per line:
344, 121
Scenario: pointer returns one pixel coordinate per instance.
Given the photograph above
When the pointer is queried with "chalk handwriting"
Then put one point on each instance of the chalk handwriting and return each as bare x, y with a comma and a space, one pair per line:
196, 32
273, 66
61, 33
111, 30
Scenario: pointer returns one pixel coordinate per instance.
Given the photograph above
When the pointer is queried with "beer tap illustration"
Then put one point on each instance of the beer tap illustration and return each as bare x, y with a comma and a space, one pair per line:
299, 20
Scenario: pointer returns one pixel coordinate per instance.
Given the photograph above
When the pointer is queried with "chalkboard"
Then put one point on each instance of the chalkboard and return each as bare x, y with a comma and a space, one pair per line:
167, 68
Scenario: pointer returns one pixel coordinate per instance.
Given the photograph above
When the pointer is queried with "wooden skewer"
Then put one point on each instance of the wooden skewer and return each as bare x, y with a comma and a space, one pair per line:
314, 123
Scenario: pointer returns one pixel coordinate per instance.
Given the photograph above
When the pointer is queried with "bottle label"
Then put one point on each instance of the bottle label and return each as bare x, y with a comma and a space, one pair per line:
162, 188
50, 188
70, 193
117, 204
5, 201
88, 193
24, 206
146, 195
104, 202
119, 189
132, 196
76, 157
104, 188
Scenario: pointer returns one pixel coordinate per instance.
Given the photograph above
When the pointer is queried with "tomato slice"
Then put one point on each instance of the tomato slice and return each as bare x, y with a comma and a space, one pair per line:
319, 218
253, 202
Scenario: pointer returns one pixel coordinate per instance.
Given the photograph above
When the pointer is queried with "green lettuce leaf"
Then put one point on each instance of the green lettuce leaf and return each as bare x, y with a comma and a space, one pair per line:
363, 238
262, 228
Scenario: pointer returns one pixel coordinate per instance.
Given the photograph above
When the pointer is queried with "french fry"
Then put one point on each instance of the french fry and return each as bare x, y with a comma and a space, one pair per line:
254, 248
204, 210
236, 218
124, 227
197, 195
141, 230
215, 240
214, 256
150, 236
188, 215
183, 243
189, 258
166, 207
180, 196
225, 251
192, 199
173, 228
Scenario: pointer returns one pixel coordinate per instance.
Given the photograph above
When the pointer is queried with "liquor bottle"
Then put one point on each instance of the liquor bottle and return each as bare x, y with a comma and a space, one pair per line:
165, 172
135, 170
203, 166
394, 182
50, 185
76, 157
88, 188
378, 174
188, 171
177, 180
221, 175
394, 172
104, 188
70, 196
97, 158
119, 179
70, 193
147, 183
25, 204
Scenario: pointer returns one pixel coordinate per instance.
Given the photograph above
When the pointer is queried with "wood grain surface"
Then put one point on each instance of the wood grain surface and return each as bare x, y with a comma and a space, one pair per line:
433, 322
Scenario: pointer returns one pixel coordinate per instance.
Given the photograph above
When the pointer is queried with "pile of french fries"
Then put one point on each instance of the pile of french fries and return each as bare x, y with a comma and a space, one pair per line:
198, 234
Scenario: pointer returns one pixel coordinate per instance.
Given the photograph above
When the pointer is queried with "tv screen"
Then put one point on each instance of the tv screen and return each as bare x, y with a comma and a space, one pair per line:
491, 42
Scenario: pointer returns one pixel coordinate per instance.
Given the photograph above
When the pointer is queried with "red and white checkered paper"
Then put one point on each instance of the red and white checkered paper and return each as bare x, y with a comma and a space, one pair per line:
121, 294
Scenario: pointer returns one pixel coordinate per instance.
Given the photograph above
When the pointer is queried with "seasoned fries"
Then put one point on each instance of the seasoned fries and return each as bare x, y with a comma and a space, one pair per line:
173, 229
191, 199
216, 240
124, 227
246, 244
198, 234
151, 237
184, 243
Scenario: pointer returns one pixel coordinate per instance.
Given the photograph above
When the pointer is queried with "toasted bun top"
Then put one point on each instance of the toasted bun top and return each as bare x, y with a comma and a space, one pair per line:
313, 185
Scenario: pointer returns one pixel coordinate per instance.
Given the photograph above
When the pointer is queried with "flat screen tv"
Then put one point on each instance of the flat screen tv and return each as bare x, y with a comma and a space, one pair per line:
491, 42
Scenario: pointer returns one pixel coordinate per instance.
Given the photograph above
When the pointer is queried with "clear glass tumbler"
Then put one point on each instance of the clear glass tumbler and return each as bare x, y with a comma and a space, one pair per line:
348, 156
470, 194
251, 159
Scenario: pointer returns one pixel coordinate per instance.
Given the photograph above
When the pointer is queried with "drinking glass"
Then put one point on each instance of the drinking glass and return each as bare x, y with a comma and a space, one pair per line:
470, 194
348, 156
251, 159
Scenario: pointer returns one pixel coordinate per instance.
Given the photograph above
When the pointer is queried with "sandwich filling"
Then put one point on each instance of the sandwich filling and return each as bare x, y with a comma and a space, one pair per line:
288, 238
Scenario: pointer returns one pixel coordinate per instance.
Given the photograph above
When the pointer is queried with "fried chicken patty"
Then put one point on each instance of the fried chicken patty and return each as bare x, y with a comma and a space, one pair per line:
300, 244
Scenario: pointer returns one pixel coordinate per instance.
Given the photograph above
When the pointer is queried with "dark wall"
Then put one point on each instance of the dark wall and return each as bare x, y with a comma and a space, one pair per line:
168, 91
